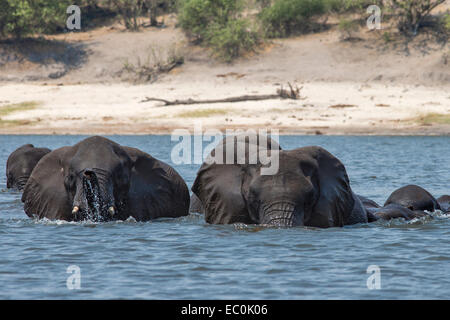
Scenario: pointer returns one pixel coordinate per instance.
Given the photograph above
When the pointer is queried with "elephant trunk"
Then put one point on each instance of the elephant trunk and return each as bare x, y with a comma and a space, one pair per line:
281, 214
21, 182
94, 198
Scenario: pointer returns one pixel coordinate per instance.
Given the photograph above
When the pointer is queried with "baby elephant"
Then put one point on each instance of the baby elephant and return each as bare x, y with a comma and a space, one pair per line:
310, 188
100, 180
21, 163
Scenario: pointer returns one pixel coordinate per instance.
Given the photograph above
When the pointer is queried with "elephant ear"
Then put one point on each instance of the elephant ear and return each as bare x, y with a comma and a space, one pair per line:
156, 189
219, 186
44, 194
335, 203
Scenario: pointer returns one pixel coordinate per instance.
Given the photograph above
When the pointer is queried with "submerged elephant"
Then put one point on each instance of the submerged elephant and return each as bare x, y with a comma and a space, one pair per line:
371, 207
392, 211
408, 202
310, 188
444, 203
21, 163
100, 180
414, 198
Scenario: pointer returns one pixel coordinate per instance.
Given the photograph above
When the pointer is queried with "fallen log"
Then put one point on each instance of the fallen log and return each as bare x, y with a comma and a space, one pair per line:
292, 93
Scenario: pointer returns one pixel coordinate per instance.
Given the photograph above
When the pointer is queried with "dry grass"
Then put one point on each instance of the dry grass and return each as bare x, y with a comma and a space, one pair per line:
13, 123
285, 110
434, 118
16, 107
203, 113
157, 62
342, 106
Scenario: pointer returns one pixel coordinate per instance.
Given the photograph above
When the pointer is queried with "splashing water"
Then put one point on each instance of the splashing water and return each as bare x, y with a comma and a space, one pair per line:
94, 201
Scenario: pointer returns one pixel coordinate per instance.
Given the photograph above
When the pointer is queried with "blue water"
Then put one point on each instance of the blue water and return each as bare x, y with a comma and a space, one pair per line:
188, 259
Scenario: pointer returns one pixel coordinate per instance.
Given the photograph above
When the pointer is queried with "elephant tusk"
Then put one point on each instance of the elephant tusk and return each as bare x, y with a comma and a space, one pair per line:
111, 211
75, 210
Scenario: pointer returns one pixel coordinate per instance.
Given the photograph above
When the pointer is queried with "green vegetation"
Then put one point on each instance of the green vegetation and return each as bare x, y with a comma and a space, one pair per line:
129, 11
286, 17
411, 14
197, 17
347, 27
341, 6
434, 118
12, 123
446, 22
220, 25
15, 107
387, 37
234, 39
231, 28
22, 17
202, 113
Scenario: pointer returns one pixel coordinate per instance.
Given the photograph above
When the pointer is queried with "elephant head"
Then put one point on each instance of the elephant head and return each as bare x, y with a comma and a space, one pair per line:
310, 188
21, 163
100, 180
413, 197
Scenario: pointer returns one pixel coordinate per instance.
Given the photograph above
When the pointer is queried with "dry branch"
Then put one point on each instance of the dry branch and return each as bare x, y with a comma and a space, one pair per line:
292, 93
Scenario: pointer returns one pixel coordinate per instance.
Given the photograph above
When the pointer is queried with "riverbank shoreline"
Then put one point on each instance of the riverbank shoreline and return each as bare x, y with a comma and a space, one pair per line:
329, 108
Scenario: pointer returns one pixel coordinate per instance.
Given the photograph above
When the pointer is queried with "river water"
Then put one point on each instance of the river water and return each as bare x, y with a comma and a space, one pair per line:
186, 258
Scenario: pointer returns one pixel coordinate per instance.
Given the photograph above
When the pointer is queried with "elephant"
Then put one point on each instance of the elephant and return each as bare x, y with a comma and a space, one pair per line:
371, 207
368, 203
393, 210
21, 163
444, 203
100, 180
408, 202
414, 198
257, 140
310, 188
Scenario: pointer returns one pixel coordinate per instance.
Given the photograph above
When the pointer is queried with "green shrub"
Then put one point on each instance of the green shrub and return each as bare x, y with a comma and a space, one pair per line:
411, 13
15, 17
261, 4
347, 27
286, 17
233, 39
197, 16
387, 37
129, 11
446, 22
218, 24
341, 6
22, 17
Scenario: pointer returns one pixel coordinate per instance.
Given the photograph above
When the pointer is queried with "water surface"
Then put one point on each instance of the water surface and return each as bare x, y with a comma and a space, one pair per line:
186, 258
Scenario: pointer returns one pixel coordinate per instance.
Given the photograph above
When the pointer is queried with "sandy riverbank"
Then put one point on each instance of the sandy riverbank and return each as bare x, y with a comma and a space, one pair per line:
363, 87
327, 108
